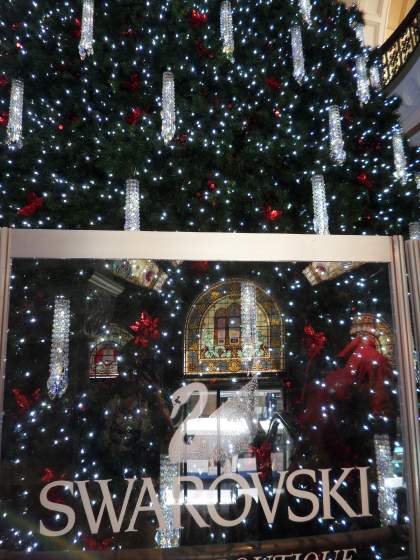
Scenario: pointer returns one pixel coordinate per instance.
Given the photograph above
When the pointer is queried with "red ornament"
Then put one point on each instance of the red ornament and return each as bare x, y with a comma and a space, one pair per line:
77, 31
34, 203
24, 402
271, 214
60, 126
134, 116
15, 26
182, 138
145, 329
314, 342
133, 83
277, 113
48, 475
4, 118
200, 266
211, 185
198, 19
18, 45
363, 178
3, 81
203, 51
273, 83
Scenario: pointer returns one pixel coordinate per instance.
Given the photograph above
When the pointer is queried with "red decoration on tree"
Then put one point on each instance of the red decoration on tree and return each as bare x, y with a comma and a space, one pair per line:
133, 83
263, 459
272, 214
48, 475
203, 51
211, 185
182, 138
198, 19
77, 31
200, 266
93, 544
34, 203
277, 113
128, 32
363, 178
273, 83
3, 81
145, 329
135, 115
4, 118
24, 402
314, 342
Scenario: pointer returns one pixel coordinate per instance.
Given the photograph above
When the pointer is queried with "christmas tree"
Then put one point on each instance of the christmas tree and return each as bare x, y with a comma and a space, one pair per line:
172, 115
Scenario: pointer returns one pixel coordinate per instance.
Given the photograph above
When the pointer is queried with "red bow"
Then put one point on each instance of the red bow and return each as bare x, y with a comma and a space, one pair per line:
273, 83
135, 115
314, 342
146, 329
4, 118
34, 203
24, 402
271, 213
133, 83
198, 19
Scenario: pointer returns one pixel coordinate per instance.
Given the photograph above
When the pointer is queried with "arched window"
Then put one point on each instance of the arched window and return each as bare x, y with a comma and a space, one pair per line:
213, 341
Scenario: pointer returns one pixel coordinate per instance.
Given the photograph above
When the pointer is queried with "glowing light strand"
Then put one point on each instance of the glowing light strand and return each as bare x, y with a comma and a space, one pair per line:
86, 37
132, 205
226, 28
321, 221
297, 54
15, 124
168, 107
59, 359
362, 80
337, 152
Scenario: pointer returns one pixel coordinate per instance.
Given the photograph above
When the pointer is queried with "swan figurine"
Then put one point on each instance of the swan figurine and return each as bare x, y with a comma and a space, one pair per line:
218, 436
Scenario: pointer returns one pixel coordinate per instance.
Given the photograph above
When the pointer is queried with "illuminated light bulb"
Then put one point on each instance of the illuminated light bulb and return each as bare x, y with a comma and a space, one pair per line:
168, 107
362, 80
86, 37
15, 126
59, 359
320, 205
226, 28
297, 54
132, 205
400, 160
337, 151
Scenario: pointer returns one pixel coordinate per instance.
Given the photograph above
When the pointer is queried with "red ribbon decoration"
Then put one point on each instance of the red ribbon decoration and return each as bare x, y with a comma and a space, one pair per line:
48, 475
24, 402
133, 83
134, 116
77, 31
363, 178
34, 203
314, 342
198, 19
271, 214
273, 83
145, 329
4, 118
3, 81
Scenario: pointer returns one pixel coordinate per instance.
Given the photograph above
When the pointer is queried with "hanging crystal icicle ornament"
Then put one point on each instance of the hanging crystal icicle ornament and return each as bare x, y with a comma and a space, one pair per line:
248, 324
387, 503
169, 537
400, 160
305, 10
14, 126
226, 29
168, 107
320, 205
363, 92
359, 30
59, 360
337, 151
86, 37
297, 54
132, 205
375, 76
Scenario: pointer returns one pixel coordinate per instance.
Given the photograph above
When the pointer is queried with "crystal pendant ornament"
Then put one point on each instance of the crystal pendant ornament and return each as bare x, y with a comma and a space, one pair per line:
305, 10
320, 205
337, 152
248, 324
360, 33
363, 92
400, 160
414, 231
226, 29
375, 77
59, 360
168, 107
297, 54
387, 499
14, 126
86, 37
132, 205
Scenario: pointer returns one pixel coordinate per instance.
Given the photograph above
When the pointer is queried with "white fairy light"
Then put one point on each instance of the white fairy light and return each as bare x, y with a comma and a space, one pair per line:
226, 28
15, 126
337, 151
387, 505
400, 160
86, 37
132, 205
168, 107
297, 53
362, 80
305, 10
320, 205
248, 323
59, 360
375, 76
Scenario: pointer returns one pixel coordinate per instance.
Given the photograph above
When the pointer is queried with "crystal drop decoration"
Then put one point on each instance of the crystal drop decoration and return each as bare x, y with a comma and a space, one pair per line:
375, 76
168, 107
86, 37
387, 499
305, 10
400, 160
359, 30
337, 152
297, 54
248, 324
414, 230
320, 205
226, 28
132, 205
59, 360
169, 537
15, 126
363, 92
